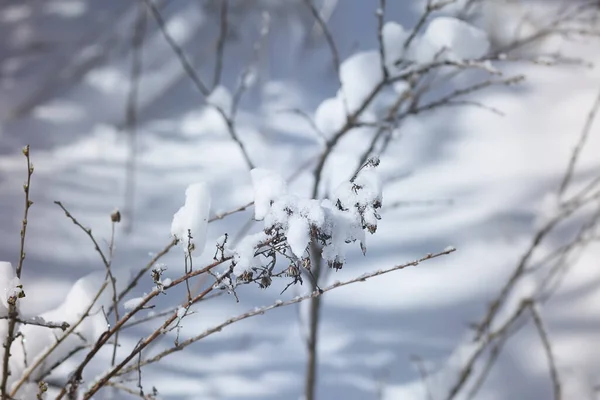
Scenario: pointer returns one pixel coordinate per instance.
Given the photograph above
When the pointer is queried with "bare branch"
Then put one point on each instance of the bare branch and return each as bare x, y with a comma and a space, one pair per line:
262, 310
40, 322
227, 213
380, 13
28, 203
131, 114
13, 312
221, 43
580, 144
187, 66
537, 319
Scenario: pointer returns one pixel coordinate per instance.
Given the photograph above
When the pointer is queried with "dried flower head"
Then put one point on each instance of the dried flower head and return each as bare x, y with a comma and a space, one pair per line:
115, 216
265, 282
246, 276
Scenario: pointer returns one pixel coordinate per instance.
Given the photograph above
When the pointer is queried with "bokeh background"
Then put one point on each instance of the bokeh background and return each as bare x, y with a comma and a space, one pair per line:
481, 179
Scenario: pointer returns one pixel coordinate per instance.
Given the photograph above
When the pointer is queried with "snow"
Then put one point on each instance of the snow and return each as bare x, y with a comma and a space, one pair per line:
133, 303
394, 37
462, 41
359, 74
298, 235
245, 251
330, 115
190, 222
7, 275
268, 186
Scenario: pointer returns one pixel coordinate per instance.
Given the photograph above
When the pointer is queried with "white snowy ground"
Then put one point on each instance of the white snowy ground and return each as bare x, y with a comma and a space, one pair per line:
497, 171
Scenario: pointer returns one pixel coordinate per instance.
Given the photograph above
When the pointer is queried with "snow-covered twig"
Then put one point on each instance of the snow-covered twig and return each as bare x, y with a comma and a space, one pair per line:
104, 338
39, 322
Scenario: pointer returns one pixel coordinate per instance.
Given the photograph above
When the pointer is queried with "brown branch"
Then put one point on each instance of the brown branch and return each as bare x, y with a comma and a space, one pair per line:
28, 203
228, 213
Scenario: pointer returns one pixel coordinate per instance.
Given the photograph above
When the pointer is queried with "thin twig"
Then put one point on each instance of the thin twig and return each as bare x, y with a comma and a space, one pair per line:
88, 232
580, 144
221, 43
41, 358
187, 66
131, 114
145, 269
13, 311
40, 322
328, 37
537, 319
380, 13
28, 203
467, 368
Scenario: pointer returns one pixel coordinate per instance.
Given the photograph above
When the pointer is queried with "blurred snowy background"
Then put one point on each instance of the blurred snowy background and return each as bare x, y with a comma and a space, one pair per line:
482, 179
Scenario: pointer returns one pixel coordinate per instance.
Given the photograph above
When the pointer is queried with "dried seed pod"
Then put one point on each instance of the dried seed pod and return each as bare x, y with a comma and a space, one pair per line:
265, 282
115, 216
292, 271
246, 276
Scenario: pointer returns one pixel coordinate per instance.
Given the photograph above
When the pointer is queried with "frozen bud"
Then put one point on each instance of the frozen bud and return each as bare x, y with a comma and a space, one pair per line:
115, 216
